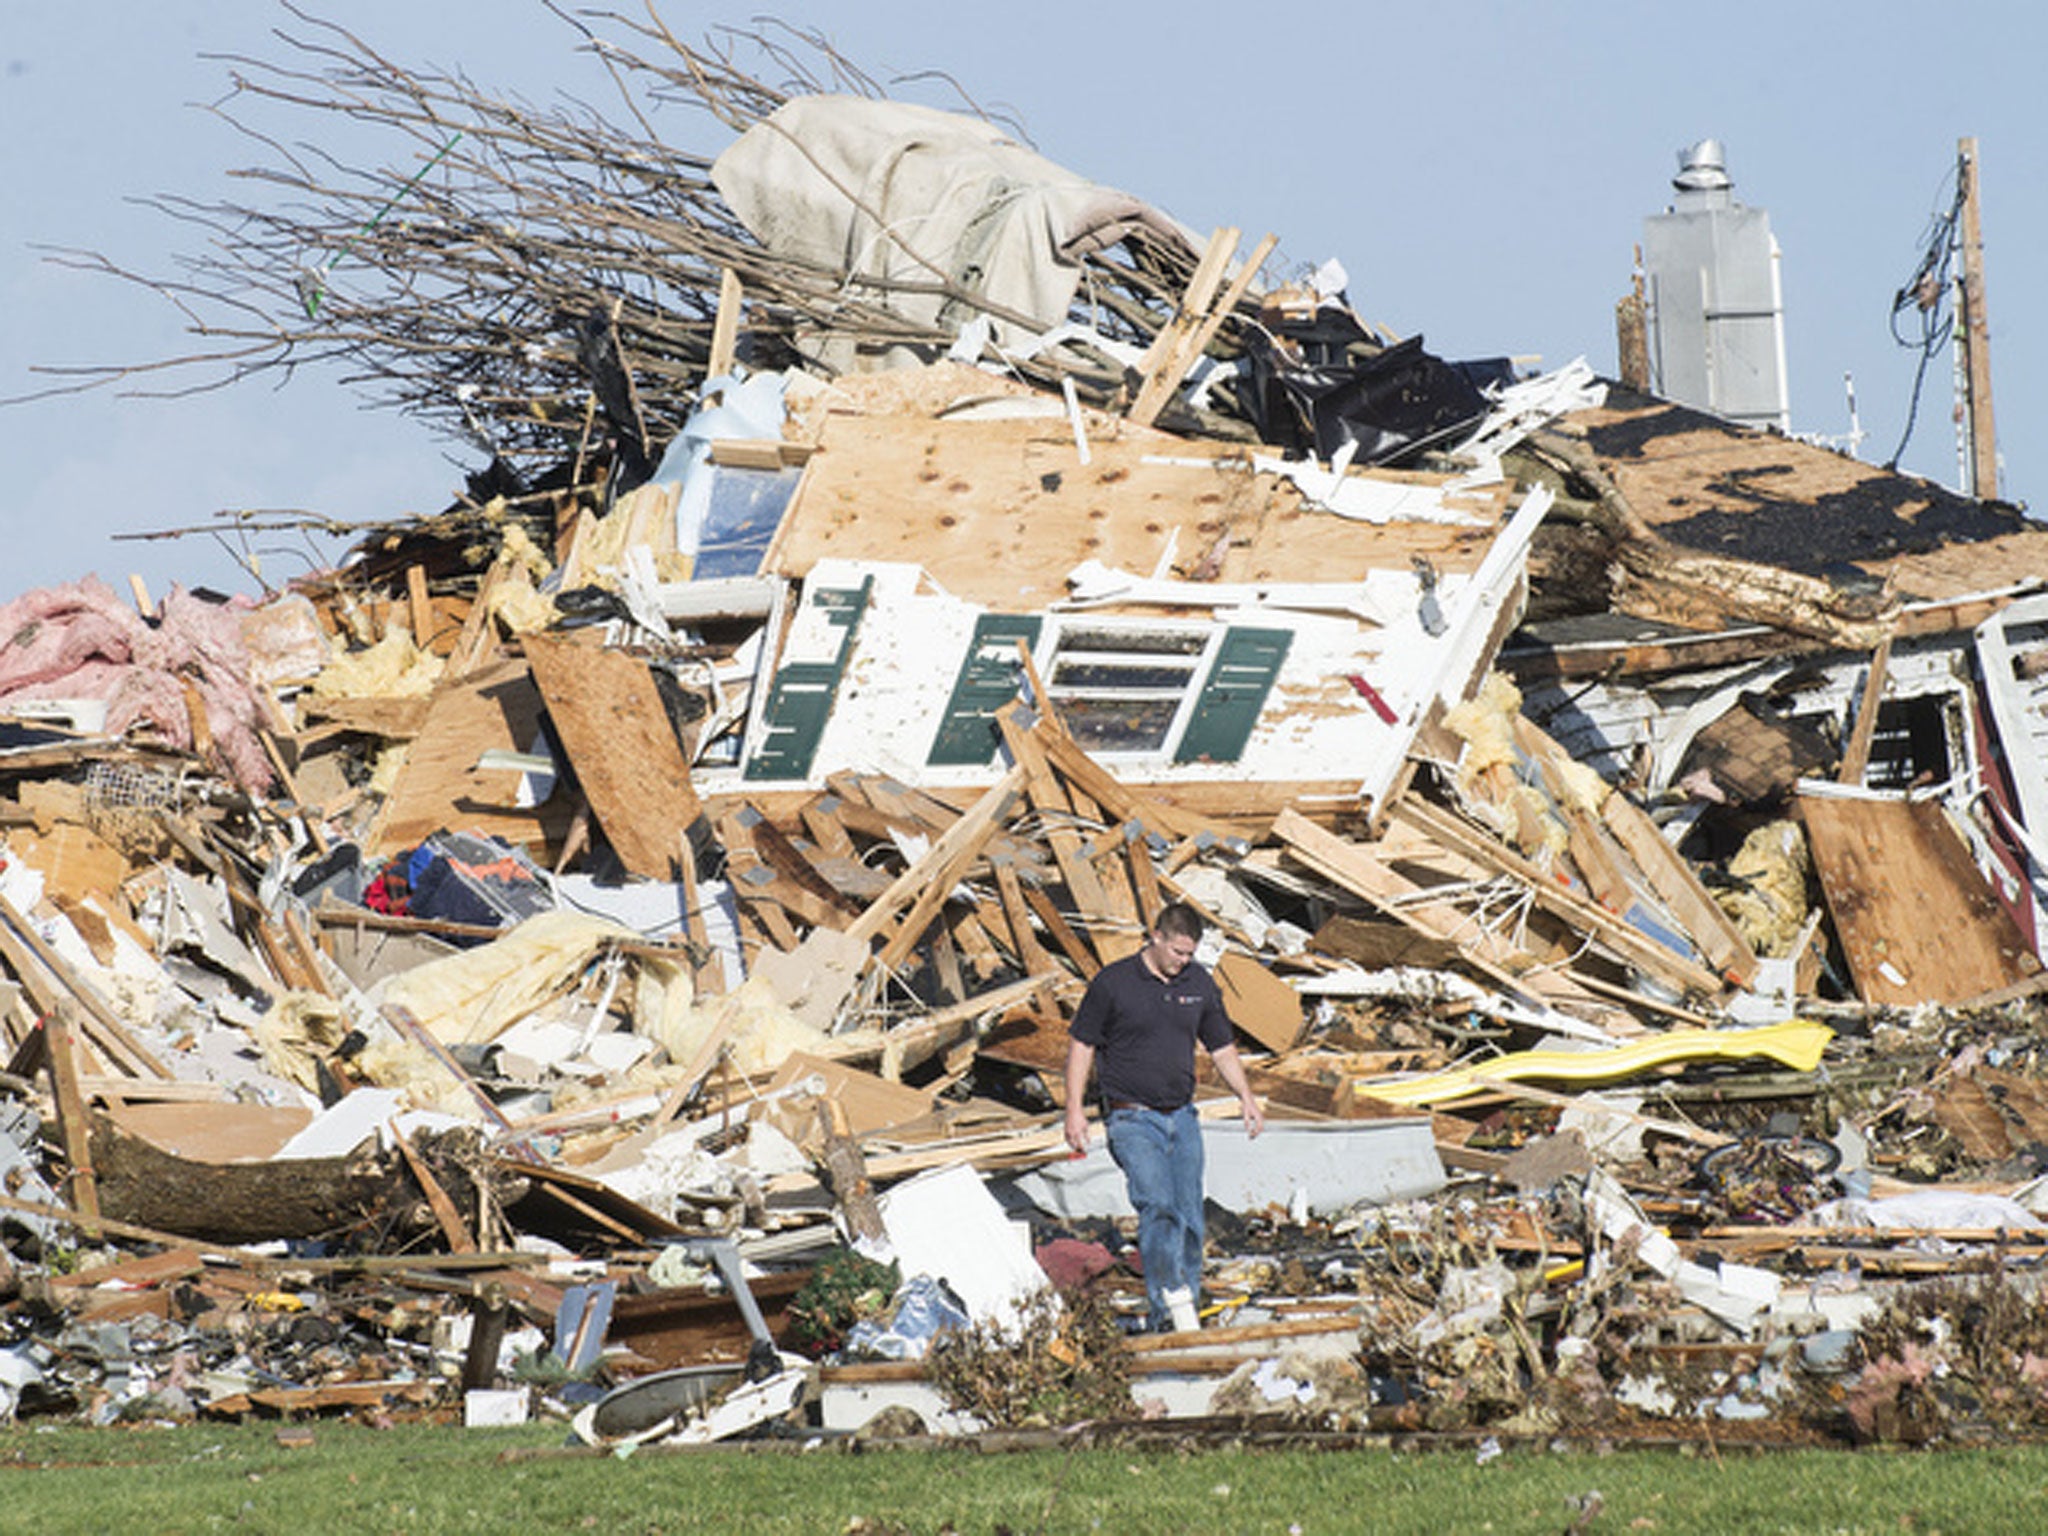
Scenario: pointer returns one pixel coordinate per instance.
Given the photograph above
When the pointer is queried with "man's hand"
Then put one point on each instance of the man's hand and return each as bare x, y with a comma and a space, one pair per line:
1231, 1070
1254, 1117
1077, 1129
1080, 1061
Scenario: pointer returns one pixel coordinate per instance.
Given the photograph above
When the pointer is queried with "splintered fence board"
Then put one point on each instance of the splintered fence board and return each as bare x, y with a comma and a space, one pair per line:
610, 720
998, 512
441, 788
1916, 920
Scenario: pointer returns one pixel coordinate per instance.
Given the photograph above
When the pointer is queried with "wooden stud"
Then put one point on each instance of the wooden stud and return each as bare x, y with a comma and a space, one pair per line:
421, 606
1144, 876
72, 1124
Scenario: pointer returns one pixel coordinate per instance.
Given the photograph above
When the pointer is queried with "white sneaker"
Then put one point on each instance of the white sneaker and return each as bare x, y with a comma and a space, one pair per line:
1180, 1306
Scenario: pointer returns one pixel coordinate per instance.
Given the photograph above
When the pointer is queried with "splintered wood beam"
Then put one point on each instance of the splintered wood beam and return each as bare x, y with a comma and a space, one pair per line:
1144, 875
1622, 938
725, 330
1024, 943
1194, 326
1108, 856
1165, 360
821, 820
1069, 942
1067, 758
1049, 798
933, 877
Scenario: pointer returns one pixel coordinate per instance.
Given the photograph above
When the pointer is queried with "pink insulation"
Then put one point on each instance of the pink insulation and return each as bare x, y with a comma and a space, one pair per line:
80, 641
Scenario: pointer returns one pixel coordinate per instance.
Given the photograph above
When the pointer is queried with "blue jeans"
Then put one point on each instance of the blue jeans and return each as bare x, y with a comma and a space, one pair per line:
1161, 1156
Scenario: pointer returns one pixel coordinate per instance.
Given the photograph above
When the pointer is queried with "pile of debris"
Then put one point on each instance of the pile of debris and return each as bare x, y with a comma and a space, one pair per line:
595, 941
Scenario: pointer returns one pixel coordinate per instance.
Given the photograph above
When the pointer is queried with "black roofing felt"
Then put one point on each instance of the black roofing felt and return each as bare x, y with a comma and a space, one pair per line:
1884, 515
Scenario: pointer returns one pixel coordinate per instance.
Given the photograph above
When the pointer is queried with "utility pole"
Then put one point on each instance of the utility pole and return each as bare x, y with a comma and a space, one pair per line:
1973, 332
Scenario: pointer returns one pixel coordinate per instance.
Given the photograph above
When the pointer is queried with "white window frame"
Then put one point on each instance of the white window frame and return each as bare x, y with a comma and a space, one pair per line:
1046, 656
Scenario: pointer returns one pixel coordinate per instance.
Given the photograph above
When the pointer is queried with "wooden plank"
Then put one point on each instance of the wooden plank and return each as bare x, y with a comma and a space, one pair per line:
1916, 920
1856, 756
309, 817
393, 719
792, 858
1260, 1003
971, 936
421, 607
73, 1127
1672, 878
1109, 856
821, 820
615, 731
450, 1219
1144, 874
1070, 760
440, 785
757, 882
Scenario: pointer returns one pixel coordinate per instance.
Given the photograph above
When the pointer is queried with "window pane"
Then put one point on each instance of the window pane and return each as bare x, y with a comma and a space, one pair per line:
1142, 642
1119, 725
1077, 672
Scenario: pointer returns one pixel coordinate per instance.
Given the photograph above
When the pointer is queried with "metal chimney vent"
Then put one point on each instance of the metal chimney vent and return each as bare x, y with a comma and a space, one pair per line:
1702, 167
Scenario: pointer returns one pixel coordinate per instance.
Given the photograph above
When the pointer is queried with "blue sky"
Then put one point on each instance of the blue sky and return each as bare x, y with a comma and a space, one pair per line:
1481, 169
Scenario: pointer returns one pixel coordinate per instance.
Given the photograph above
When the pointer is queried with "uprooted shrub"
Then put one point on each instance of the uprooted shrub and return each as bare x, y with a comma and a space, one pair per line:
845, 1288
1955, 1357
1063, 1361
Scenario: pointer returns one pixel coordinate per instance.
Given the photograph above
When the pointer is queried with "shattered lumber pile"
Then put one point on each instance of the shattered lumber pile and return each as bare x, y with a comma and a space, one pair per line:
607, 943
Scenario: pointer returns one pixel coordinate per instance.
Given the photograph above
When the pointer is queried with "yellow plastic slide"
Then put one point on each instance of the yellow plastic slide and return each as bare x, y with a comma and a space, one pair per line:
1796, 1043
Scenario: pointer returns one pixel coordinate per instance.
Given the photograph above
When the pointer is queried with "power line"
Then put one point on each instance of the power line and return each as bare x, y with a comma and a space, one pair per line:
1930, 293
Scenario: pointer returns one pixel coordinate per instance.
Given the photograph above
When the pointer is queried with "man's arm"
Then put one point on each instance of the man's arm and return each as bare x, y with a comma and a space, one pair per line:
1080, 1061
1231, 1070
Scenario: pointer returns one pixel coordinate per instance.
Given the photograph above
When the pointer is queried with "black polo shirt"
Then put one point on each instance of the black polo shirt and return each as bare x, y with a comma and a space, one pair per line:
1144, 1031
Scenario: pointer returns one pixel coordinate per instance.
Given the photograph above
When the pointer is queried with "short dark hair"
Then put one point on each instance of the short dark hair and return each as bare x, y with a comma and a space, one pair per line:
1180, 920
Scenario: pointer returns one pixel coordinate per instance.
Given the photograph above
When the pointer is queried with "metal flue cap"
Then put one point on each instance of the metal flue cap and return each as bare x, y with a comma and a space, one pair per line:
1702, 167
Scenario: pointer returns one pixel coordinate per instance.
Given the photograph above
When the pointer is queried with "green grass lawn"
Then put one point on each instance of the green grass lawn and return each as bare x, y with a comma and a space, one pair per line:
412, 1479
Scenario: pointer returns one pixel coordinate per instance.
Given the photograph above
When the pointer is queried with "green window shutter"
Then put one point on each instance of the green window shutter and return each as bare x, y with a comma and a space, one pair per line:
988, 680
1232, 695
800, 702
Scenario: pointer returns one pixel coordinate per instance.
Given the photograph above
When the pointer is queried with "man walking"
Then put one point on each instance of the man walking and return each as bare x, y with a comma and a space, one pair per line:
1137, 1027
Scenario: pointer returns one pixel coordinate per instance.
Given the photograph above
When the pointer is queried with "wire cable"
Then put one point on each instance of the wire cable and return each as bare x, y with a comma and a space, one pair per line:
1930, 292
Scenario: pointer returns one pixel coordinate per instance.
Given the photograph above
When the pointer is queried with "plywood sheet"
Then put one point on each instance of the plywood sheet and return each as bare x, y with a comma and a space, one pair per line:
1916, 920
610, 720
1260, 1003
441, 788
998, 512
